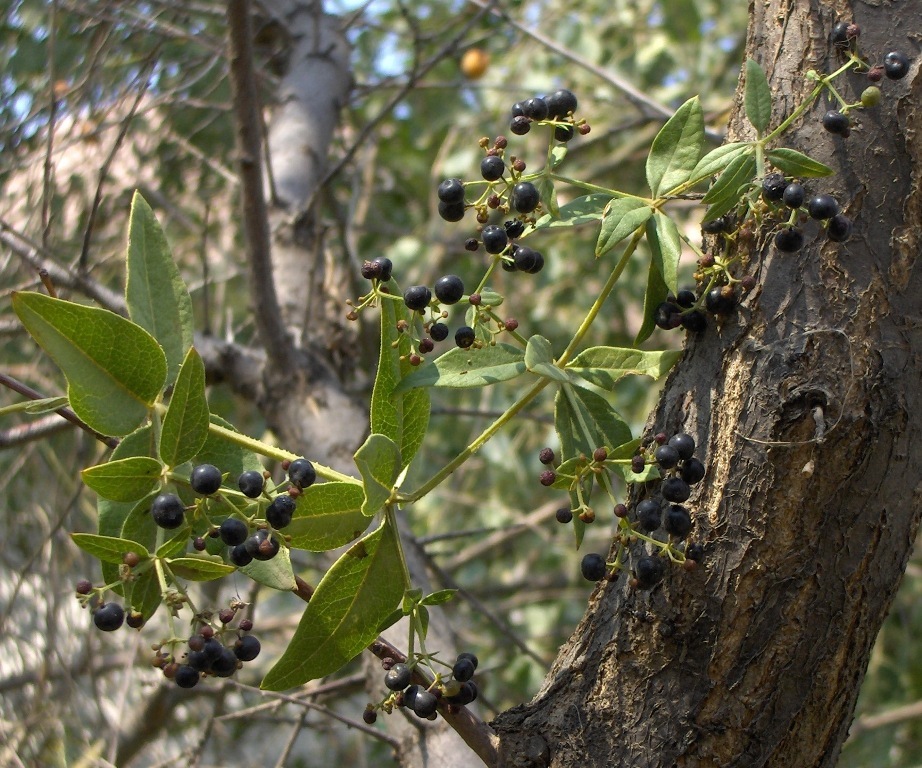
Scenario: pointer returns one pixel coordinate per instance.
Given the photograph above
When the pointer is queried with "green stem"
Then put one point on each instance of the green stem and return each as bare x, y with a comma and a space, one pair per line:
270, 451
590, 187
476, 445
600, 299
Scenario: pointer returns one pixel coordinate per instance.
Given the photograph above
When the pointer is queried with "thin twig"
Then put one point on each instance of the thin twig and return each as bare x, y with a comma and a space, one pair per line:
268, 317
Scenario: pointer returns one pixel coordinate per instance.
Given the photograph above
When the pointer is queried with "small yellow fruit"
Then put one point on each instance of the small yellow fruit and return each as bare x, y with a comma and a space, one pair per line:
474, 63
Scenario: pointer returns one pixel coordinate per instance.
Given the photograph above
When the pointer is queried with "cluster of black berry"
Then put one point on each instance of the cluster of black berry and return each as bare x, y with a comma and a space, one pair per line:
457, 690
558, 108
219, 653
776, 189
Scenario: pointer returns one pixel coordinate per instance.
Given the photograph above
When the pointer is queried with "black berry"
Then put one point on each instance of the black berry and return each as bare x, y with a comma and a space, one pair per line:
240, 556
720, 300
520, 125
451, 211
560, 103
449, 289
492, 167
233, 531
525, 197
686, 298
535, 108
896, 65
417, 297
186, 676
695, 321
528, 260
563, 515
386, 267
514, 228
226, 663
451, 191
675, 489
677, 521
398, 677
470, 656
250, 483
839, 228
466, 695
205, 479
840, 34
648, 571
667, 315
649, 515
301, 473
684, 444
494, 238
593, 567
109, 617
563, 133
822, 207
262, 545
694, 551
715, 226
438, 332
463, 670
464, 336
425, 704
789, 240
666, 457
837, 122
794, 195
168, 511
692, 471
280, 511
546, 456
773, 186
247, 648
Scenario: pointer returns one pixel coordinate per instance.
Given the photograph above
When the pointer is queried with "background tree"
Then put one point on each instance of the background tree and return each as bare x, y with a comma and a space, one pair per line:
149, 93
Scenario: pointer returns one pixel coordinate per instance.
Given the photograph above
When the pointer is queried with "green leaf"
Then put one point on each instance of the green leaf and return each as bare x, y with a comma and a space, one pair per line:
352, 600
378, 460
558, 153
157, 298
757, 97
438, 597
404, 418
490, 298
185, 424
200, 568
581, 210
395, 616
603, 366
114, 368
177, 545
795, 163
275, 573
654, 295
125, 479
422, 613
327, 516
539, 359
726, 193
545, 186
468, 368
620, 218
719, 158
143, 594
676, 149
666, 246
585, 421
109, 549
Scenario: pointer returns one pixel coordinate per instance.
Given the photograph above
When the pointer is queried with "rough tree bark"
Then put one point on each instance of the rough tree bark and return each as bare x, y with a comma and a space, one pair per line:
808, 406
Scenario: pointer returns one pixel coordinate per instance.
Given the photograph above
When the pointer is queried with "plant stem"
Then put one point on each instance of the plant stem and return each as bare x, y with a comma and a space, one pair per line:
270, 451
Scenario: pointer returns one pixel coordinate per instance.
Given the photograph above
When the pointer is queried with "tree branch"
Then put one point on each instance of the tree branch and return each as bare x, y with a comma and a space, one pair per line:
255, 213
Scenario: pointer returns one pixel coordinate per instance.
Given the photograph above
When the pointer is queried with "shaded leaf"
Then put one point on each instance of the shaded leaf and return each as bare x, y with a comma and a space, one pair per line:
666, 247
603, 366
327, 515
719, 158
757, 97
114, 368
124, 479
468, 368
275, 573
654, 295
185, 424
726, 193
378, 461
676, 149
795, 163
581, 210
156, 296
539, 359
438, 597
357, 594
200, 568
620, 218
109, 549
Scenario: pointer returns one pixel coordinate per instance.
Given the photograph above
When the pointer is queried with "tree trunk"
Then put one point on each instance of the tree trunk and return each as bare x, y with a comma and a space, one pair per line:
807, 404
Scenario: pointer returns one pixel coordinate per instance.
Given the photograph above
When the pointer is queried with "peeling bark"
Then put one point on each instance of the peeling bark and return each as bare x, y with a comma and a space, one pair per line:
807, 405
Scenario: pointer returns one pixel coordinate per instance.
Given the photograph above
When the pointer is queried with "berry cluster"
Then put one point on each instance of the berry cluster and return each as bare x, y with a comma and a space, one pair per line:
219, 653
669, 461
457, 689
